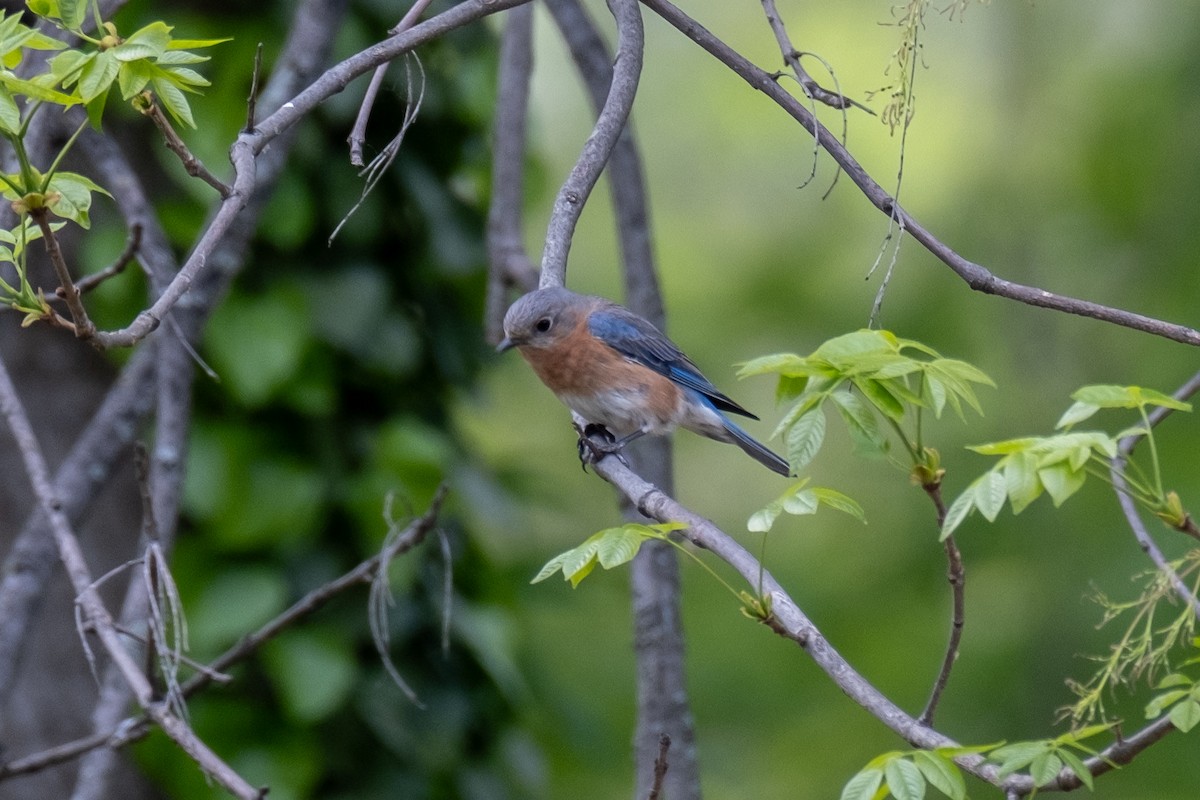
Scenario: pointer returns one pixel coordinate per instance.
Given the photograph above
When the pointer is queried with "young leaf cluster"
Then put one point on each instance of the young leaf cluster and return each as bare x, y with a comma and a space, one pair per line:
1059, 464
609, 548
149, 59
800, 499
149, 67
875, 381
1044, 759
1180, 697
905, 775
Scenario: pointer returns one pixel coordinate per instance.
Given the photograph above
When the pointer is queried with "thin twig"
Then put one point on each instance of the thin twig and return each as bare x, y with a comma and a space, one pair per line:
661, 765
791, 57
252, 99
974, 275
93, 607
89, 282
358, 133
568, 205
249, 149
192, 165
83, 325
136, 728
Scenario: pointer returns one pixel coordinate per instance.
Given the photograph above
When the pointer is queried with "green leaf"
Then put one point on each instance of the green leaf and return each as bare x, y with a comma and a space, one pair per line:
72, 13
1021, 480
1160, 703
1076, 765
836, 500
863, 427
1017, 756
941, 773
789, 388
1006, 447
146, 43
881, 397
133, 78
1185, 715
1045, 768
801, 502
849, 346
1174, 679
782, 363
10, 115
959, 510
863, 785
1061, 481
191, 44
608, 548
904, 780
173, 101
97, 75
990, 493
1076, 413
762, 520
806, 403
75, 196
804, 438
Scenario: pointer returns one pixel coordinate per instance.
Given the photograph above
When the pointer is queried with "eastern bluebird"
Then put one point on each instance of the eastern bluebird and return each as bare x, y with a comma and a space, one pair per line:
616, 369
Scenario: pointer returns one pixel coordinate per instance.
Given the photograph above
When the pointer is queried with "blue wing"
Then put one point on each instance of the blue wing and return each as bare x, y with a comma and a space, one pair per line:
638, 340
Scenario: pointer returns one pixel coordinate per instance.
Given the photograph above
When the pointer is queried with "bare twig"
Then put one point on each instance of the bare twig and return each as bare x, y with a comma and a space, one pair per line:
93, 607
661, 765
91, 460
83, 326
568, 205
956, 575
358, 134
89, 282
976, 276
252, 98
192, 165
508, 261
791, 57
136, 728
248, 151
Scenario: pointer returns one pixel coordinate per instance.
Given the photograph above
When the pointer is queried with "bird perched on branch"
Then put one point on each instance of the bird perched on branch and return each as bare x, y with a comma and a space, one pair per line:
615, 369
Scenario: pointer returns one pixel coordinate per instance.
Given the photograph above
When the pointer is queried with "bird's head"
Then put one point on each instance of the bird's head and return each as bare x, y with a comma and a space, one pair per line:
542, 318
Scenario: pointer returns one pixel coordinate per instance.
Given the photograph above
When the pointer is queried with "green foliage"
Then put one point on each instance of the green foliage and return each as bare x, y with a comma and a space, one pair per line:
1181, 698
609, 548
905, 775
870, 377
1045, 758
1059, 464
799, 500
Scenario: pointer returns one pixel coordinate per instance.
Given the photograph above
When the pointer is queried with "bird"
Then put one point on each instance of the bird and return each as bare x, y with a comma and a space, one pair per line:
617, 370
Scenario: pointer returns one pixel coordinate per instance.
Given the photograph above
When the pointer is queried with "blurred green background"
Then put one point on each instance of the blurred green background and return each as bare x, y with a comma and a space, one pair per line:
1053, 143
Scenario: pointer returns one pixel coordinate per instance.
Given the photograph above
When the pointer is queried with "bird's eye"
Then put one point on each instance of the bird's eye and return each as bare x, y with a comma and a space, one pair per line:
543, 324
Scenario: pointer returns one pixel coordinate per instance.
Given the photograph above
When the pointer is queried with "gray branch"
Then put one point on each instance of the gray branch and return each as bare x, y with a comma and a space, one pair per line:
568, 205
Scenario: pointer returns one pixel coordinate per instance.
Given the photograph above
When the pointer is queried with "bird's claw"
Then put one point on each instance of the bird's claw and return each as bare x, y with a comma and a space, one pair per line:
596, 442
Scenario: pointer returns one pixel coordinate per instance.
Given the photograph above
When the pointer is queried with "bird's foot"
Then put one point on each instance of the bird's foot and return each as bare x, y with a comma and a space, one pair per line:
596, 442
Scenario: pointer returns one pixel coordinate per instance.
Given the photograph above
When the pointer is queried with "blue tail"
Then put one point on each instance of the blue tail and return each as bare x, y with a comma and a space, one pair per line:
755, 450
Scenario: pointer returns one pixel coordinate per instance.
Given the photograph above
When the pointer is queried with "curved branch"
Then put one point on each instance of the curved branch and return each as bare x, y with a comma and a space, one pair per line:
1140, 533
789, 621
976, 276
568, 205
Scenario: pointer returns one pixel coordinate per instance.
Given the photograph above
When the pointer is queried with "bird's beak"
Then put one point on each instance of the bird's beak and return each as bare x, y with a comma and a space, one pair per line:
505, 344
